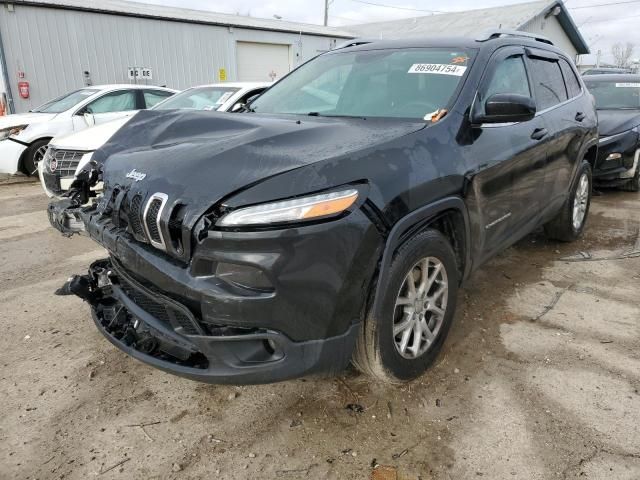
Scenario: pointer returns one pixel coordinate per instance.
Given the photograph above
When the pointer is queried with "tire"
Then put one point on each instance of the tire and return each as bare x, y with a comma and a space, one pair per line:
633, 184
564, 227
378, 351
33, 155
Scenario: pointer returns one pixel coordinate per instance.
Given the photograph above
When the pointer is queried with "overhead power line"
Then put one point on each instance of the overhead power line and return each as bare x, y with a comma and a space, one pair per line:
604, 4
399, 8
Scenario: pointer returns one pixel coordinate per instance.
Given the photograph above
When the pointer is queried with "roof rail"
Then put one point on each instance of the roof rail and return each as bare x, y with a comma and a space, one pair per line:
354, 43
493, 34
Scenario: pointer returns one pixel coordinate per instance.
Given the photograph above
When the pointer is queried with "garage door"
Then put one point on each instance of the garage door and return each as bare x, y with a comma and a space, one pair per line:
260, 62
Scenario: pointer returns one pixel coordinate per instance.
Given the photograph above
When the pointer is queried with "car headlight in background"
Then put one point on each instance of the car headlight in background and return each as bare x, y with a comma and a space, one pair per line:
298, 209
7, 132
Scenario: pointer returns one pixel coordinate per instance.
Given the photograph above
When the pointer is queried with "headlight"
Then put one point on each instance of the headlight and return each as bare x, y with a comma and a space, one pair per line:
299, 209
7, 132
613, 156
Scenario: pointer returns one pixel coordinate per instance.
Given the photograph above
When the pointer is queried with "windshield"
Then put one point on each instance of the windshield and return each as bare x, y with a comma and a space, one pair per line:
407, 83
200, 98
65, 102
615, 95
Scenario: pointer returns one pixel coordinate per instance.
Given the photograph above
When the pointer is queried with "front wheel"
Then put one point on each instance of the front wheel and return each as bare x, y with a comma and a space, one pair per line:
568, 225
34, 155
417, 311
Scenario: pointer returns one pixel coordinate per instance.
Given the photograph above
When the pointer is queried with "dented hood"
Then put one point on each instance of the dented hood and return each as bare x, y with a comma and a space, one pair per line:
199, 158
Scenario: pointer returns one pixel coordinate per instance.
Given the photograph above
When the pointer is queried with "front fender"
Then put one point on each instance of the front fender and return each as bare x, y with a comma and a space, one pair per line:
397, 235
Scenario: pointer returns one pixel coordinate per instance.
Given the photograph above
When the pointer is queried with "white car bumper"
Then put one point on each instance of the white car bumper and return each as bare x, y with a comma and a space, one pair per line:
10, 153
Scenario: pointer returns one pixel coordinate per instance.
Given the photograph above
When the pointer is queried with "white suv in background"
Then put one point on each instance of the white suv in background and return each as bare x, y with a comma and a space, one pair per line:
67, 154
24, 137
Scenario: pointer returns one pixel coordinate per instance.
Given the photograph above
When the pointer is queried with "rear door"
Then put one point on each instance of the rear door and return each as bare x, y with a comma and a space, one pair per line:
512, 158
552, 103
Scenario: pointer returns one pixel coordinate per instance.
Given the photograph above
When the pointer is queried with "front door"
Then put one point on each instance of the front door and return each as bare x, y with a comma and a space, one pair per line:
511, 157
110, 106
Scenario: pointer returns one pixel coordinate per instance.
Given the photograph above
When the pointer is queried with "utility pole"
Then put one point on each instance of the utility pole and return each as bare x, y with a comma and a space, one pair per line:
326, 12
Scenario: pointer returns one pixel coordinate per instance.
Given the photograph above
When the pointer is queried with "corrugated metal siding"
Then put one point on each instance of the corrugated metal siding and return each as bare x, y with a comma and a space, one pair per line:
54, 47
550, 27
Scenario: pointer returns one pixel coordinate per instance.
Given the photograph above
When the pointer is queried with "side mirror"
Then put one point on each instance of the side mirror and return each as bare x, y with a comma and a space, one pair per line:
506, 107
238, 106
89, 119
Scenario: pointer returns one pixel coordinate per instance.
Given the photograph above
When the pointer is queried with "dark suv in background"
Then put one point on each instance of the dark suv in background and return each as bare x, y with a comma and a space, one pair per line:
337, 217
618, 104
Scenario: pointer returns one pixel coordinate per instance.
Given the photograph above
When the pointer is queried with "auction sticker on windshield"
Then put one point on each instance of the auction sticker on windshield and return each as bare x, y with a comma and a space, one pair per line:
438, 68
628, 85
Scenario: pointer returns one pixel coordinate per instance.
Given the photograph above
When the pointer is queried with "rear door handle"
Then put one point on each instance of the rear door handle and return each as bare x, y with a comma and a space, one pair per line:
580, 116
539, 133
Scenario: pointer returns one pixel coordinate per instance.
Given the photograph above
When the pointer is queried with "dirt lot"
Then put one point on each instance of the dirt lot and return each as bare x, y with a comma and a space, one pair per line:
540, 378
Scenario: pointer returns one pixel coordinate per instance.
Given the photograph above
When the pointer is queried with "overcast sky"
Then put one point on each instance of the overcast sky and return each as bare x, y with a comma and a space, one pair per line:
602, 26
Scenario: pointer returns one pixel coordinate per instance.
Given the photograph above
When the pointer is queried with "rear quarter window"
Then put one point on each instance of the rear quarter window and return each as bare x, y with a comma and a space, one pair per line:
572, 82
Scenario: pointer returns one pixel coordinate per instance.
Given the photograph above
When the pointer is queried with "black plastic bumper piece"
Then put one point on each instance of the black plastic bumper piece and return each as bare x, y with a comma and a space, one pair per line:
156, 329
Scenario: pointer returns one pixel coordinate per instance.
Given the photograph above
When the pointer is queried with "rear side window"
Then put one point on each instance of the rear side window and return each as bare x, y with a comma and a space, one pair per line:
548, 83
510, 76
572, 82
153, 97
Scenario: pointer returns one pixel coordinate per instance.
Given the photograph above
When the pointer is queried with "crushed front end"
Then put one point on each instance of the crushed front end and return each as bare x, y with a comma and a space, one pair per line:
218, 306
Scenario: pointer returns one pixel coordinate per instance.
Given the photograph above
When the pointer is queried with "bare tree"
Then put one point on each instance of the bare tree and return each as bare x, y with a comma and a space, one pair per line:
622, 54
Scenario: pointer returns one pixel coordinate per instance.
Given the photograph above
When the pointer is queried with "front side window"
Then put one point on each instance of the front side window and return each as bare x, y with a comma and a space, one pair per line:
408, 83
65, 102
510, 76
548, 83
618, 95
199, 98
113, 102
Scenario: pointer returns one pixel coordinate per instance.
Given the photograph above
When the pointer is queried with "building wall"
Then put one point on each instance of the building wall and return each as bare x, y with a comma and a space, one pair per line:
53, 47
550, 27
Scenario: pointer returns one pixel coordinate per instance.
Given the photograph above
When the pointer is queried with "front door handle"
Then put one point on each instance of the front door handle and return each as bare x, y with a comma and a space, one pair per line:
580, 116
539, 133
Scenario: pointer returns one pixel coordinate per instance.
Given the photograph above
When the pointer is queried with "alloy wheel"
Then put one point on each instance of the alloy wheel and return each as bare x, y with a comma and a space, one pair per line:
581, 201
38, 156
420, 308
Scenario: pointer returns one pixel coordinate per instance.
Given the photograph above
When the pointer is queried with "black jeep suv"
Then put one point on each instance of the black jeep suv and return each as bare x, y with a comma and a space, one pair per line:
337, 217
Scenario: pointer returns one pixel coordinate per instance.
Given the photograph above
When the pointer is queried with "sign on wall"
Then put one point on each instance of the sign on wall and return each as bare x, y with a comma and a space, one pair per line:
222, 73
140, 73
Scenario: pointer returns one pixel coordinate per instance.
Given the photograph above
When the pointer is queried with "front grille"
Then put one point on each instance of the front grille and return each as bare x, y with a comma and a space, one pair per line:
66, 162
167, 311
135, 216
151, 219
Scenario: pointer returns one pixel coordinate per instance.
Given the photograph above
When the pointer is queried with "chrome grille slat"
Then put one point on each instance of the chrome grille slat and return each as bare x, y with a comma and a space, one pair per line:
67, 161
151, 219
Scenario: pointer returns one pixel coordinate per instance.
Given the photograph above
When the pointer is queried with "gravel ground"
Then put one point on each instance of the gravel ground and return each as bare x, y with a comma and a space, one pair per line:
539, 379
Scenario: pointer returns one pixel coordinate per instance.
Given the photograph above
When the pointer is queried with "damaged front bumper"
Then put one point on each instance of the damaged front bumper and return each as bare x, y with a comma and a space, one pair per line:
618, 158
161, 332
